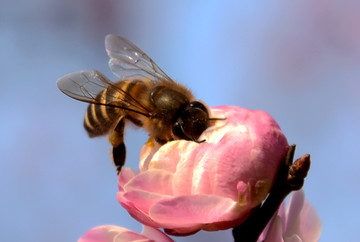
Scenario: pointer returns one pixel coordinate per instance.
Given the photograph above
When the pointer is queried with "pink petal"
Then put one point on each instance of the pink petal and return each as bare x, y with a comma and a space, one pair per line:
146, 154
294, 238
108, 233
310, 226
189, 171
155, 234
302, 222
302, 219
294, 208
125, 175
138, 214
142, 200
169, 155
195, 211
274, 233
145, 181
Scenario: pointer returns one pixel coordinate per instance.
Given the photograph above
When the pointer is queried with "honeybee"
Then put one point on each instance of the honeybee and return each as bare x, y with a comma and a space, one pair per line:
143, 95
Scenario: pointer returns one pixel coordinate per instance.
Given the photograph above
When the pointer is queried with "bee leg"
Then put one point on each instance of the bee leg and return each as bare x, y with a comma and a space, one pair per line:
160, 141
116, 138
119, 154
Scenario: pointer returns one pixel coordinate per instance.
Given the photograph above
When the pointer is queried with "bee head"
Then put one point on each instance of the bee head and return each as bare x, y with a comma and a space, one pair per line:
192, 122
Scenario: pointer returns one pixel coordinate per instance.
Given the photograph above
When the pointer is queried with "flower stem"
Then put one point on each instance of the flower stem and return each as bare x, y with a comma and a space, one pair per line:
290, 178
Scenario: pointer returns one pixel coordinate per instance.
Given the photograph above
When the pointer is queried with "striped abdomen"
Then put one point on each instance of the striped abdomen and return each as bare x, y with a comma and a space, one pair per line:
102, 119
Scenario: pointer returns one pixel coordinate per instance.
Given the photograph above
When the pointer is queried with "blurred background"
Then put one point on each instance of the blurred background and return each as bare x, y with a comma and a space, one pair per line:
297, 60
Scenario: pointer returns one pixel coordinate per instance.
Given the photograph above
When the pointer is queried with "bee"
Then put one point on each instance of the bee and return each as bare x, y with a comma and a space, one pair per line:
143, 95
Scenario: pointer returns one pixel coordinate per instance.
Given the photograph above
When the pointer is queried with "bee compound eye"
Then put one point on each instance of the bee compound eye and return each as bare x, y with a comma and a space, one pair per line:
191, 124
195, 122
198, 105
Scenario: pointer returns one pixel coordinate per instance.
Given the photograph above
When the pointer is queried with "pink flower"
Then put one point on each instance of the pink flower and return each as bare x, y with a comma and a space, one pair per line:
184, 186
298, 222
112, 233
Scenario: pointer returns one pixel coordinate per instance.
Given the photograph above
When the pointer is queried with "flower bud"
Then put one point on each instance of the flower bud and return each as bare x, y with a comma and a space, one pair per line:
184, 186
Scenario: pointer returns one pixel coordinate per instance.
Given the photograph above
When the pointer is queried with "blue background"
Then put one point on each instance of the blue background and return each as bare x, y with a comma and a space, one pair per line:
297, 60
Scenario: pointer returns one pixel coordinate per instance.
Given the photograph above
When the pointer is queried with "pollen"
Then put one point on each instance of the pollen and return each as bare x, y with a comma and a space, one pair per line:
150, 142
115, 139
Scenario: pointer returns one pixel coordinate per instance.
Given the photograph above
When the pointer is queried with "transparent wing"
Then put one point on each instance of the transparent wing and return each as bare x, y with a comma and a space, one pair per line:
126, 60
87, 85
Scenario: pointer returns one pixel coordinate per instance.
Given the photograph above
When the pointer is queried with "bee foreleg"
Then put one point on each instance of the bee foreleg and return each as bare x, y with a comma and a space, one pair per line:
116, 138
160, 141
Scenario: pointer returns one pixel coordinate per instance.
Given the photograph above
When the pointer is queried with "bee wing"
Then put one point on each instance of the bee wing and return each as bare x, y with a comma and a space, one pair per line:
126, 59
86, 85
83, 85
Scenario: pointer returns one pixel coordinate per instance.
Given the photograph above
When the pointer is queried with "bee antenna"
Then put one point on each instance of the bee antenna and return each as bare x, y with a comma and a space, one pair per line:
214, 119
199, 142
